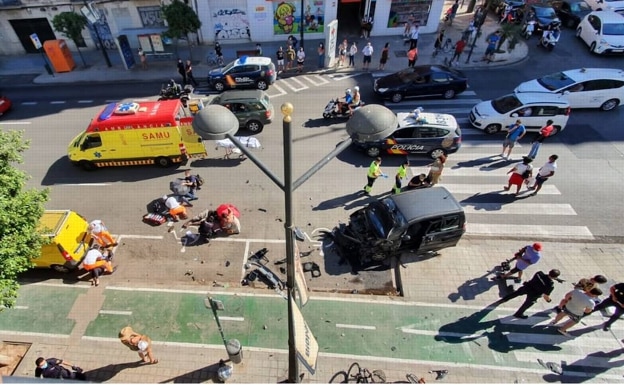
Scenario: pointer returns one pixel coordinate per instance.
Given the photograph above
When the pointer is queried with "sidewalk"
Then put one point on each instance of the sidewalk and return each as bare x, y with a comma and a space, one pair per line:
163, 70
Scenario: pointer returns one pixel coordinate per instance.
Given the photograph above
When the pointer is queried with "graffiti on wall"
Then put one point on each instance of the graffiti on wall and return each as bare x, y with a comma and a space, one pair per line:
408, 11
231, 23
287, 17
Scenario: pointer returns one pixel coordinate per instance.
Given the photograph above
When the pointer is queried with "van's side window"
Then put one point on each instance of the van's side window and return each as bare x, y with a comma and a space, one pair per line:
546, 110
92, 141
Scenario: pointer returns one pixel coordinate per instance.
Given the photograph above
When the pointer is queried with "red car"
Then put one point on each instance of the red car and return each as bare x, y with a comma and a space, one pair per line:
5, 105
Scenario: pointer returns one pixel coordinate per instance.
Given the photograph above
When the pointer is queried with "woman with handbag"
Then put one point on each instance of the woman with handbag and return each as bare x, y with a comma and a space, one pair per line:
519, 173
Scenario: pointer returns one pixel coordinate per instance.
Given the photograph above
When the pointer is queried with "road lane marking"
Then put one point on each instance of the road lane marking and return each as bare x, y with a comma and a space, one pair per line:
558, 339
131, 236
434, 333
81, 184
538, 231
280, 89
58, 102
116, 312
590, 360
33, 334
519, 209
362, 327
29, 103
315, 80
226, 318
85, 101
16, 123
479, 189
294, 87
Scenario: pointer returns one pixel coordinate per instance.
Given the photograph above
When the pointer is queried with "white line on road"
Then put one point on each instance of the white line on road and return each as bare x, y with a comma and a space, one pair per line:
316, 80
82, 184
58, 102
278, 88
116, 312
592, 360
29, 103
85, 101
492, 157
16, 123
131, 236
480, 189
32, 334
558, 339
537, 231
61, 285
519, 208
363, 327
294, 87
226, 318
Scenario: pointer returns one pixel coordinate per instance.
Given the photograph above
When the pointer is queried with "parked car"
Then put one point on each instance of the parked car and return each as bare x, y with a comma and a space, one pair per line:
415, 221
425, 133
603, 32
5, 104
570, 12
244, 72
532, 108
544, 16
418, 81
583, 87
252, 108
606, 5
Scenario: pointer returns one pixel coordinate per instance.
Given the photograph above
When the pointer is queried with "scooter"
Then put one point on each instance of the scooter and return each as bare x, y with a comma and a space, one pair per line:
528, 29
173, 91
330, 109
549, 40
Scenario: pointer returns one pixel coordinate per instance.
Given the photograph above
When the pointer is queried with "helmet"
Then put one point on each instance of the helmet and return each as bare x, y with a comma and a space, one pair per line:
356, 88
348, 91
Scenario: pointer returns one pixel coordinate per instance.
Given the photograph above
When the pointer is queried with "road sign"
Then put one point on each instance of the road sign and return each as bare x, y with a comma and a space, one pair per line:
305, 343
35, 39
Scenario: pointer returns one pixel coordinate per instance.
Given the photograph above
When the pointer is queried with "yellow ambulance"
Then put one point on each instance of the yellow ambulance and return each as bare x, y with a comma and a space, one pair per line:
68, 240
129, 133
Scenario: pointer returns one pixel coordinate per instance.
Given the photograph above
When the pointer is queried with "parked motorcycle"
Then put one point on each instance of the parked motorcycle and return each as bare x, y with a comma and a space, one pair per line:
330, 109
172, 90
528, 29
549, 39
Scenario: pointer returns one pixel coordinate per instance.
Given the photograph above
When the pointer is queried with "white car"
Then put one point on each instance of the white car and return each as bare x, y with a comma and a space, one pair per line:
603, 32
532, 108
606, 5
582, 87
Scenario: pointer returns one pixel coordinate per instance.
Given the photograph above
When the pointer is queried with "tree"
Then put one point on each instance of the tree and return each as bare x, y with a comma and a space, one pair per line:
71, 25
181, 20
20, 212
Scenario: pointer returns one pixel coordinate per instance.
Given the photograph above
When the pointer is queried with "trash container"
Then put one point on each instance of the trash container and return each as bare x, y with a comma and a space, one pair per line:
235, 351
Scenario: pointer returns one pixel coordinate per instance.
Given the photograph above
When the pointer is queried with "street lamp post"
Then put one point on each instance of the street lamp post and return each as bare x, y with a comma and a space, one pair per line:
371, 122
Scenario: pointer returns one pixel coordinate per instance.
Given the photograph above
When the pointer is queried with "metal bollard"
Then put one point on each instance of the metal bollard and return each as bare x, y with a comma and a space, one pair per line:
48, 68
235, 351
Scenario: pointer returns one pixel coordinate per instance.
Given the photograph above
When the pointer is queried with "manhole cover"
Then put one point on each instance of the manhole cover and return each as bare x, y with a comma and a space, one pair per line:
401, 53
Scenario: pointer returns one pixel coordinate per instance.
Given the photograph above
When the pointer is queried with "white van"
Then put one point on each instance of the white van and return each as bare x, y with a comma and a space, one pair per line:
583, 87
533, 110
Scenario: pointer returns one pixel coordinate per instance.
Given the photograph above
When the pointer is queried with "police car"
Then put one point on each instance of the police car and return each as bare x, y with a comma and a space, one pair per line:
418, 133
244, 72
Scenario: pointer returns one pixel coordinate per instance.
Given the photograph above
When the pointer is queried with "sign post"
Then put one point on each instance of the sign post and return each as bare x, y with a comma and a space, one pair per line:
38, 46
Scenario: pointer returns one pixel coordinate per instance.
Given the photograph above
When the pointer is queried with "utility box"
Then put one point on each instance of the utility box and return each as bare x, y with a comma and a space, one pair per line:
59, 55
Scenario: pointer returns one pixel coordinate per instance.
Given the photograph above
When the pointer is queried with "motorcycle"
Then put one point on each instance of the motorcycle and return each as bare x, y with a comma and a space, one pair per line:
173, 91
549, 39
528, 29
332, 105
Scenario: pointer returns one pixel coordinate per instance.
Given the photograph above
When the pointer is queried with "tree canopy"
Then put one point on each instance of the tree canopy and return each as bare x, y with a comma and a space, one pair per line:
71, 25
181, 19
20, 212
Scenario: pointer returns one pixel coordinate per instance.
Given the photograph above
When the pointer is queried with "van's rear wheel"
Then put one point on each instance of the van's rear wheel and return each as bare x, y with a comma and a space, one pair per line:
163, 161
60, 268
87, 165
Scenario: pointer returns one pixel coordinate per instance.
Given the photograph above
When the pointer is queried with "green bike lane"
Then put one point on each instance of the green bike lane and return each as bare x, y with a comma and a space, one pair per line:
351, 327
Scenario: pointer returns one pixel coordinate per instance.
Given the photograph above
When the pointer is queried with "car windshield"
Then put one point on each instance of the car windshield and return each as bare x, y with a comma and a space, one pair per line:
545, 12
613, 29
555, 81
506, 104
229, 66
409, 75
380, 219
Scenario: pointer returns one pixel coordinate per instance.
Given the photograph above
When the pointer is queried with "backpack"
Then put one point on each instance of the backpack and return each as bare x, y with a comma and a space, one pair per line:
200, 180
178, 188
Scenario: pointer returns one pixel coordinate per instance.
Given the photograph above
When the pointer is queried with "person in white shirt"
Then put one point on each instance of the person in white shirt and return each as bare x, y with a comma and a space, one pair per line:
545, 172
414, 35
175, 208
367, 51
100, 234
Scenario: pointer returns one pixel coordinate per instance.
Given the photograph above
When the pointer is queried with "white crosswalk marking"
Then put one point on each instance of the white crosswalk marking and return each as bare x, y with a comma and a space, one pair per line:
275, 90
316, 80
533, 230
293, 83
519, 209
478, 189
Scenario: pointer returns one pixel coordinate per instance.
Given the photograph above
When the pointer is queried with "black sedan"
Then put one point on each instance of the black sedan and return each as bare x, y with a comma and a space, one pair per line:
545, 16
571, 11
419, 81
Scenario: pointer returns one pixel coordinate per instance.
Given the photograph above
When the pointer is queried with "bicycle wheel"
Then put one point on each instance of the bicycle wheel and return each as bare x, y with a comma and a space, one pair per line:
351, 373
378, 376
345, 378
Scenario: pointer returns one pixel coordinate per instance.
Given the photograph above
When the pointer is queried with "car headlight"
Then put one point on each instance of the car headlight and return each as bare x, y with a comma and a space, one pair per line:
603, 42
382, 89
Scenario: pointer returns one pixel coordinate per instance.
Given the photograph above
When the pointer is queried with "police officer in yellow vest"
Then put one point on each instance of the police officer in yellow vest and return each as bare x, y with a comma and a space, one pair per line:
374, 171
401, 174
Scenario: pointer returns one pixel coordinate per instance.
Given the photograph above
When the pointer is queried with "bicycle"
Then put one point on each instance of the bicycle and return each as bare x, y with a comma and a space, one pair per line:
447, 46
360, 375
214, 60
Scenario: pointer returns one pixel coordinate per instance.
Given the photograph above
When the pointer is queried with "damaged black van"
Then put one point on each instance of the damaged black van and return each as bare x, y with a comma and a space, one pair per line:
418, 221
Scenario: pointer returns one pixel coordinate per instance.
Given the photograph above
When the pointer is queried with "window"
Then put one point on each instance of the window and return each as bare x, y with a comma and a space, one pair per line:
256, 106
92, 141
594, 22
403, 133
429, 132
596, 85
438, 77
546, 110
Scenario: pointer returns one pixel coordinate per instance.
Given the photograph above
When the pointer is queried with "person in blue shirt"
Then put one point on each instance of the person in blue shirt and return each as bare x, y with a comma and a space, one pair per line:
525, 257
348, 99
491, 47
514, 134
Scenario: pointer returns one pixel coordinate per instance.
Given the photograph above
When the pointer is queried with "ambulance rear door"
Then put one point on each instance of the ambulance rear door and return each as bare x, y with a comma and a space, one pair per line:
193, 142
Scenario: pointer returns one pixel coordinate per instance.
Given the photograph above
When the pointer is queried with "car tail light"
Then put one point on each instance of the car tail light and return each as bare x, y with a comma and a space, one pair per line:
64, 253
270, 72
267, 113
458, 140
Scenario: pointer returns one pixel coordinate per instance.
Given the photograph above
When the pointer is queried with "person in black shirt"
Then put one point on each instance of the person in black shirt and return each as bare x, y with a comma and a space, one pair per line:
616, 299
56, 368
540, 285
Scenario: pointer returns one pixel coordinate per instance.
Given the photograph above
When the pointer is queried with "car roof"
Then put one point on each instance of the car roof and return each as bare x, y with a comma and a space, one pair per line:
582, 74
241, 94
541, 97
608, 16
260, 60
423, 203
429, 119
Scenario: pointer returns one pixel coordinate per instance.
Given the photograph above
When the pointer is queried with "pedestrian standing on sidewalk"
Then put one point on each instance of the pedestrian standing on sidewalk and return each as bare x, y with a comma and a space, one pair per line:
352, 51
342, 52
290, 57
321, 55
139, 343
414, 35
519, 173
525, 257
545, 172
412, 56
182, 71
300, 59
491, 47
453, 12
435, 170
398, 178
459, 48
385, 52
616, 299
280, 60
575, 305
437, 46
541, 285
258, 49
544, 133
143, 59
189, 73
367, 51
374, 172
515, 132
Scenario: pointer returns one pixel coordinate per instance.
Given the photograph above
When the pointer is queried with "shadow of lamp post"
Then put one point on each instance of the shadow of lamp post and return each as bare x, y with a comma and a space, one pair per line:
369, 123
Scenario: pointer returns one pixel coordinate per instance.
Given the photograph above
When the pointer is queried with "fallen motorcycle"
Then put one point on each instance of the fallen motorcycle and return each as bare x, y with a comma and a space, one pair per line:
332, 107
173, 91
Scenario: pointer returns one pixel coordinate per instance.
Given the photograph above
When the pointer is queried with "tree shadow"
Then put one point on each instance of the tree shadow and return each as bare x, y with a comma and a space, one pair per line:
591, 365
197, 376
108, 372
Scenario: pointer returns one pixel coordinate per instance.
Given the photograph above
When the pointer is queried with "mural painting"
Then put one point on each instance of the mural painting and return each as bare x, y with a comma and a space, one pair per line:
404, 11
287, 17
231, 23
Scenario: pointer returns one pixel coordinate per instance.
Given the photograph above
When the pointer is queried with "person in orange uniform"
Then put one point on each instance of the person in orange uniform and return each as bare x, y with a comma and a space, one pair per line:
96, 263
100, 233
175, 208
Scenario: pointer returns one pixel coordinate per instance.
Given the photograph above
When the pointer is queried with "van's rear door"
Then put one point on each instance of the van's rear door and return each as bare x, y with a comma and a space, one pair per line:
193, 142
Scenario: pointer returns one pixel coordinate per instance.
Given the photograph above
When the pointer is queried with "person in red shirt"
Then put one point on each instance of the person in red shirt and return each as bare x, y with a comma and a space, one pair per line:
544, 133
412, 56
459, 48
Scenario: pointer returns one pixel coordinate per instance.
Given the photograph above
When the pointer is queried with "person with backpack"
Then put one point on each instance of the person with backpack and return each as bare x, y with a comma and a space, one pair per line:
57, 368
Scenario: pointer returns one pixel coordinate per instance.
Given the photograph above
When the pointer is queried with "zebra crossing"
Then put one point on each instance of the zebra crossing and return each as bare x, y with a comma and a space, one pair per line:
476, 175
